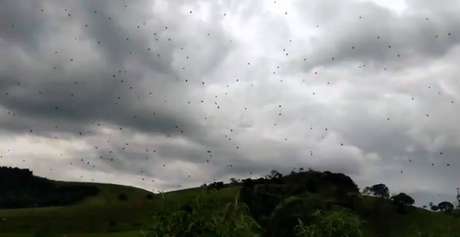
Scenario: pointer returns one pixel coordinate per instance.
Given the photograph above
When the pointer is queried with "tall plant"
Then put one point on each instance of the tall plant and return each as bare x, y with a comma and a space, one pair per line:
331, 224
229, 220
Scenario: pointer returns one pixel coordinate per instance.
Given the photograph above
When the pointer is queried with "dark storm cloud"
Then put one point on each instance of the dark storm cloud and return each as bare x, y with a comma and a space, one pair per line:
68, 89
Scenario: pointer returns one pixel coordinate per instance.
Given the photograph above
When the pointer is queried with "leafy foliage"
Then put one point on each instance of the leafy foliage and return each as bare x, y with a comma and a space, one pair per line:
304, 203
263, 195
446, 206
284, 217
337, 223
378, 190
197, 221
402, 202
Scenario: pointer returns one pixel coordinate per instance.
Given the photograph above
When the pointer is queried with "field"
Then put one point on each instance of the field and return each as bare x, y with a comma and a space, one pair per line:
106, 215
99, 216
389, 223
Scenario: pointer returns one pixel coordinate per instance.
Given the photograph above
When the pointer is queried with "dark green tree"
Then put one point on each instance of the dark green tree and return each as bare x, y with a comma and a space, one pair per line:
446, 207
402, 202
403, 199
198, 220
379, 190
339, 223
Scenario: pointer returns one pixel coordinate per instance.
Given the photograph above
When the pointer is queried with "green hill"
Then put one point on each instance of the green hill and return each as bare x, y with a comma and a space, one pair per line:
104, 212
271, 206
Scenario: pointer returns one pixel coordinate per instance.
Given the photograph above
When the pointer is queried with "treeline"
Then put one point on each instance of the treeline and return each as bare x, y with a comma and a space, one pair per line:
19, 188
278, 202
305, 201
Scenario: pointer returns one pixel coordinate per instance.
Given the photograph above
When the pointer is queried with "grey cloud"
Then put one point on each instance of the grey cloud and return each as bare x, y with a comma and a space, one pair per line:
367, 33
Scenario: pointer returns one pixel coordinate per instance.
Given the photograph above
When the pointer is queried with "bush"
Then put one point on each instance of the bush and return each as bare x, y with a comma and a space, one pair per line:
284, 217
378, 190
194, 221
331, 224
402, 202
446, 207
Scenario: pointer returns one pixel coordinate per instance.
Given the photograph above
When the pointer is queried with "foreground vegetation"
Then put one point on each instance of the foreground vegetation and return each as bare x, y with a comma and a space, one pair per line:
301, 204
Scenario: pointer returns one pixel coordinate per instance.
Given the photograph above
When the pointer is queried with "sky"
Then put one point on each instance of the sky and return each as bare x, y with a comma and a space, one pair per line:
170, 94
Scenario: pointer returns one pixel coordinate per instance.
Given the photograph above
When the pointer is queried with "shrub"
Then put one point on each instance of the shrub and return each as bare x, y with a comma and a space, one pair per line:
194, 221
378, 190
284, 217
446, 207
402, 202
331, 224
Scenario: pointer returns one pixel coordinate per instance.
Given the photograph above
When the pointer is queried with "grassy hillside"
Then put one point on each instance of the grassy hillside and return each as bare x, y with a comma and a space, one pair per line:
99, 216
275, 203
102, 213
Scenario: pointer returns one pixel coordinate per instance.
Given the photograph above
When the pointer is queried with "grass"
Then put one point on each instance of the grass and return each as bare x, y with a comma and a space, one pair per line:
99, 216
390, 223
105, 215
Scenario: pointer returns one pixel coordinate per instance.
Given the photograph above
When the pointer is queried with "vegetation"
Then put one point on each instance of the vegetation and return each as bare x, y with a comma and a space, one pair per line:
378, 190
331, 224
402, 202
21, 189
303, 203
446, 207
203, 218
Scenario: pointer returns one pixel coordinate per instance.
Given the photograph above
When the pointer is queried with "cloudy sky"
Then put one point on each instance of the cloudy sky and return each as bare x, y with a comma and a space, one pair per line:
171, 94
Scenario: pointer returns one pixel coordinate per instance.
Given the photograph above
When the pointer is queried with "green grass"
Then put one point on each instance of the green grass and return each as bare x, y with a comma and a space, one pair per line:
390, 223
101, 215
106, 216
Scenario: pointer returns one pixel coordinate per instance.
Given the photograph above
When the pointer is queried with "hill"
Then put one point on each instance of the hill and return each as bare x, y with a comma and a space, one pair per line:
68, 207
300, 204
21, 189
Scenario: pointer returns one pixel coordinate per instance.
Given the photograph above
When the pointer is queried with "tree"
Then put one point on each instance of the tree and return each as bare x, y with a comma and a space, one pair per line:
286, 214
234, 181
402, 201
274, 175
202, 218
331, 224
379, 190
446, 206
216, 186
20, 188
343, 183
